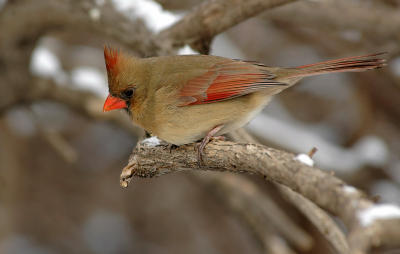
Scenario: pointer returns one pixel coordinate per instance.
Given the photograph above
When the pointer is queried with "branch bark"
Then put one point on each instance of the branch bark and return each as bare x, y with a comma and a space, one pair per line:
320, 187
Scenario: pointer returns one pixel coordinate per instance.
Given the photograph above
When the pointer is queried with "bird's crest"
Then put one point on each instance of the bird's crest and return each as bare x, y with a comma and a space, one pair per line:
111, 57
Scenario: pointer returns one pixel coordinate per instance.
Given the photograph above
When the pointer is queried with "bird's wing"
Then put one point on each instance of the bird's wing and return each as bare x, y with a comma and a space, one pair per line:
226, 80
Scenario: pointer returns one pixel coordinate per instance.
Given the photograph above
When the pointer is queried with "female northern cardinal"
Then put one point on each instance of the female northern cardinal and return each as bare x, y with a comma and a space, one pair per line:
182, 99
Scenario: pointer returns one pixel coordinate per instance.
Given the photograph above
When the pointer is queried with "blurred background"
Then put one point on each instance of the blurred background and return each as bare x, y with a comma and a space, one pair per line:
60, 156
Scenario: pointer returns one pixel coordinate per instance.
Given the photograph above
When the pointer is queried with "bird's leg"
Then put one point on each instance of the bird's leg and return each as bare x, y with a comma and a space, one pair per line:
205, 141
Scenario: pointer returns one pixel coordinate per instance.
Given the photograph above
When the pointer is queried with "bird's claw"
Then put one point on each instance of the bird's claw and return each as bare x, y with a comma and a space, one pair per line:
204, 142
170, 147
200, 149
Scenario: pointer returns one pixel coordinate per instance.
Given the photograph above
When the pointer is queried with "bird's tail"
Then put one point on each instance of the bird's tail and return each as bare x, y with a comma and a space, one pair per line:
348, 64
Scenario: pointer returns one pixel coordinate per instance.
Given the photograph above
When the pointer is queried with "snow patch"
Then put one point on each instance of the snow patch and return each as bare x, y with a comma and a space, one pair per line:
94, 14
89, 78
373, 150
186, 50
150, 11
305, 159
44, 63
349, 189
378, 212
151, 142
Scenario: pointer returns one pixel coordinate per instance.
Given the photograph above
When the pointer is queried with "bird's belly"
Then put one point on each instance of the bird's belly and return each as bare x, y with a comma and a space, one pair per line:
241, 121
183, 125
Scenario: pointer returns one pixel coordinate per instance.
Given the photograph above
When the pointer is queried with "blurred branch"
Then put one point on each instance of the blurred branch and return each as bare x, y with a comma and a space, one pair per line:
374, 21
256, 208
209, 19
84, 102
277, 166
17, 42
319, 218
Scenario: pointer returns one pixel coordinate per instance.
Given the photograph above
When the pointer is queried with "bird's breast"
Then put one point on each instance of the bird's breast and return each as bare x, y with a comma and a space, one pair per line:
188, 124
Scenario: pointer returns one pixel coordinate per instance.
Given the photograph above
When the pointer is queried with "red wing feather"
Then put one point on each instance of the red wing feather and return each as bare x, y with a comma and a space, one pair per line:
227, 80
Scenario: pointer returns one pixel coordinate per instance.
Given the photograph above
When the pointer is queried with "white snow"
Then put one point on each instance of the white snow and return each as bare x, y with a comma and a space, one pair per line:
349, 189
151, 142
305, 159
378, 212
150, 11
89, 78
44, 63
94, 14
186, 50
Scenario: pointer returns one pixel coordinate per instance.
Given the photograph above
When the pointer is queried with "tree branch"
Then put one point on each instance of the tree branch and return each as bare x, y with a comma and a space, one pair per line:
209, 19
322, 188
319, 218
261, 213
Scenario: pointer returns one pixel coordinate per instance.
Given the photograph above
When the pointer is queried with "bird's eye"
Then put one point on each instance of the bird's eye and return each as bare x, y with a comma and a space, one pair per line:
127, 94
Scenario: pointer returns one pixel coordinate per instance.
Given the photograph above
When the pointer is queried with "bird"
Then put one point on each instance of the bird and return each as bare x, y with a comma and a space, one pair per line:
187, 98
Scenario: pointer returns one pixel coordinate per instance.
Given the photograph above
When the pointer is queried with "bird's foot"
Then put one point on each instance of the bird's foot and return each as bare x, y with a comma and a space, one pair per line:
170, 147
205, 141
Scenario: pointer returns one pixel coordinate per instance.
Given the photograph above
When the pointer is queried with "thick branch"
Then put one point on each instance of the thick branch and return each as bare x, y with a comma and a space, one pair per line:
320, 187
277, 166
209, 19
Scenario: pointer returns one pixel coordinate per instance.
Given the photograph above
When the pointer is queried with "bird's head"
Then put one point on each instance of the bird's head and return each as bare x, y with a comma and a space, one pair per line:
124, 73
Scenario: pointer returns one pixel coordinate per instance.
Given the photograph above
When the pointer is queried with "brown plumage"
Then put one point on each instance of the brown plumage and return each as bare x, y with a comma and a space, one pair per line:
181, 99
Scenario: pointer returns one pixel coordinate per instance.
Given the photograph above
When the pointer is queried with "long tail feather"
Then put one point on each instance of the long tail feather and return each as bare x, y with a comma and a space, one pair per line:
348, 64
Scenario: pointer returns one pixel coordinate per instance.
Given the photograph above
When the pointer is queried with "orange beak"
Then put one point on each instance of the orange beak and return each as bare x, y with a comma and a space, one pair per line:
112, 103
